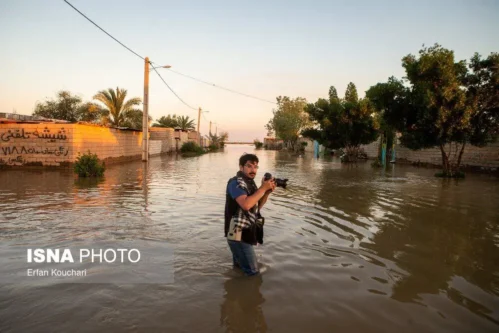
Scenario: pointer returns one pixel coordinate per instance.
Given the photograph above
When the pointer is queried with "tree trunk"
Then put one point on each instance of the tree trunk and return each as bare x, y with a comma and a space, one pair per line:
460, 156
351, 154
445, 160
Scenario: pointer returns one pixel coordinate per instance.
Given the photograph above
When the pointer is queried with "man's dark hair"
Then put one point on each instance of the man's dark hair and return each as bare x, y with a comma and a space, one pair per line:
247, 157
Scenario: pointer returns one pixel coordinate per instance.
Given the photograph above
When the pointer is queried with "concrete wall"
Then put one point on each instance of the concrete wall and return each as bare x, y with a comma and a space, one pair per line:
371, 149
170, 138
486, 157
51, 144
108, 143
155, 147
271, 143
193, 136
165, 136
309, 148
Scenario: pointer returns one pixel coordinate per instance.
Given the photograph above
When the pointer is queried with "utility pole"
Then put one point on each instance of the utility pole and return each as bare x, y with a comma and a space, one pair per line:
145, 114
216, 130
199, 121
210, 127
199, 117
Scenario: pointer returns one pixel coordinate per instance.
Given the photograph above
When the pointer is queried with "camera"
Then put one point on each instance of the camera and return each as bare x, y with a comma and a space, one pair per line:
278, 181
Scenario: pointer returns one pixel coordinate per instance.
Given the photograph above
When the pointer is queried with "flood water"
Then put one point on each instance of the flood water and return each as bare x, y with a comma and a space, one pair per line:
347, 248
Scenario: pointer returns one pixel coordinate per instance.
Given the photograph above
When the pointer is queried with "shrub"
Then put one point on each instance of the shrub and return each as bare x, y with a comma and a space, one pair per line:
191, 147
89, 165
443, 174
258, 144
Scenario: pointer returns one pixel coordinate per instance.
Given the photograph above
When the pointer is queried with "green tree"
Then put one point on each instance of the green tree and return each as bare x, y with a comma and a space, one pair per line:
258, 144
446, 106
134, 119
90, 112
65, 107
482, 85
383, 96
289, 119
118, 112
185, 123
167, 121
351, 93
333, 94
342, 124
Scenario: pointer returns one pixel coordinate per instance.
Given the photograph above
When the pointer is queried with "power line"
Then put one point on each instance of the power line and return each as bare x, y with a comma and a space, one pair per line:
129, 49
141, 57
190, 107
220, 87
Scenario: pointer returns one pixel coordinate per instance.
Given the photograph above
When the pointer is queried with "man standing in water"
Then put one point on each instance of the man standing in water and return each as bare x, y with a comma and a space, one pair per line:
243, 224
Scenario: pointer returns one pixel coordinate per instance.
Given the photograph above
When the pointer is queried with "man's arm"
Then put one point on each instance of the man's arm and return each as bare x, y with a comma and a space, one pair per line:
246, 202
263, 200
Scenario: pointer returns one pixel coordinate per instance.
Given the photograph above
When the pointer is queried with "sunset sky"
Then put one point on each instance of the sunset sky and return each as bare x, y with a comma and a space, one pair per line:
260, 48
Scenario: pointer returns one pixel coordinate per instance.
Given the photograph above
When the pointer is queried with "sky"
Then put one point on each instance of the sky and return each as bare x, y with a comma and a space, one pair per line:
261, 48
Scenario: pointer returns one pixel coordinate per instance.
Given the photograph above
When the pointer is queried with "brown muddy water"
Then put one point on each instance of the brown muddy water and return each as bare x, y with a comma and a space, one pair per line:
347, 248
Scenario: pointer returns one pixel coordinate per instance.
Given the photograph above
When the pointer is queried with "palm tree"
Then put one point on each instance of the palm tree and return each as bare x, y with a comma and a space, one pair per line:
185, 123
167, 121
117, 112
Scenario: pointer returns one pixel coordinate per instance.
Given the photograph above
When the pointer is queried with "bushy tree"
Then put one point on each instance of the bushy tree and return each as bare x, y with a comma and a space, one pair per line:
383, 97
342, 124
289, 119
351, 93
333, 94
446, 104
90, 112
167, 121
68, 107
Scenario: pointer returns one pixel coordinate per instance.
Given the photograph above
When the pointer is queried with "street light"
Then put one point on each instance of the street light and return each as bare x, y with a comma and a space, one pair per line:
145, 113
167, 66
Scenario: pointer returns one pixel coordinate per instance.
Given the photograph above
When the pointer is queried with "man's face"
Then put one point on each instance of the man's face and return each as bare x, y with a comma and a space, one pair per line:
249, 169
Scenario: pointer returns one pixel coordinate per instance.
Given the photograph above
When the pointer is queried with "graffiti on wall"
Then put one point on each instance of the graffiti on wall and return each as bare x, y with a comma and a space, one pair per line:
12, 161
61, 151
44, 134
16, 153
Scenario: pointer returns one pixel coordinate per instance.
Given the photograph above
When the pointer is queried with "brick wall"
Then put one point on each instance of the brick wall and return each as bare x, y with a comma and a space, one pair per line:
50, 144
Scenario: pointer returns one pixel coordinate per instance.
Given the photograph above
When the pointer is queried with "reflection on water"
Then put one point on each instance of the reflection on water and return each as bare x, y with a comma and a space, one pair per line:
241, 310
346, 248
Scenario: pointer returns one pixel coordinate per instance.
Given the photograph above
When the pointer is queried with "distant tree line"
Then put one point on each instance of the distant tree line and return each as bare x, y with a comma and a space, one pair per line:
108, 108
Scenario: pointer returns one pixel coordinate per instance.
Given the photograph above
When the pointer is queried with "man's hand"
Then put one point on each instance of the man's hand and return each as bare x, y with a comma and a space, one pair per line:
260, 196
268, 185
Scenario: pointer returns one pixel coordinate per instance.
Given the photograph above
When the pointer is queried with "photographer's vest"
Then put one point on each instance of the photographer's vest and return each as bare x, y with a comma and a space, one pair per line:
253, 234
